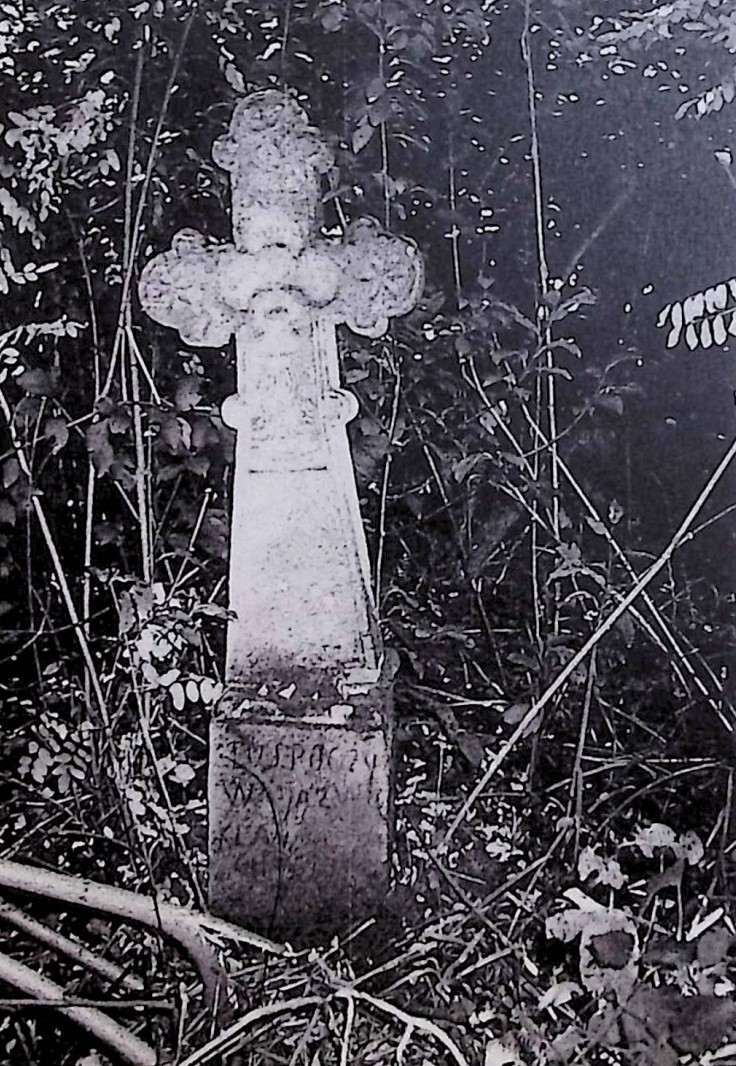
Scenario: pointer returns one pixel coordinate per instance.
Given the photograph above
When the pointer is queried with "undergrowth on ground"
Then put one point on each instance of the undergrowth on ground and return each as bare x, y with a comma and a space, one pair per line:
563, 861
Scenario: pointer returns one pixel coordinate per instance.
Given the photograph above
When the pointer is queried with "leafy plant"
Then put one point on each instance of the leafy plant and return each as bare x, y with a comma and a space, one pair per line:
562, 691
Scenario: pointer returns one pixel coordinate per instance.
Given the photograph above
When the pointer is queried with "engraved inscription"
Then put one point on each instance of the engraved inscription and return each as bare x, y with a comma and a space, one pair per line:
283, 798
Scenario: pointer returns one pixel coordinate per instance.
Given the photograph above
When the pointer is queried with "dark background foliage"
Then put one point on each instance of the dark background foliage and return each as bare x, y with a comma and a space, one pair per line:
521, 420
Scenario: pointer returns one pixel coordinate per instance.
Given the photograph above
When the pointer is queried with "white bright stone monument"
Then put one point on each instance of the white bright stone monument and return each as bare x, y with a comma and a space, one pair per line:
300, 759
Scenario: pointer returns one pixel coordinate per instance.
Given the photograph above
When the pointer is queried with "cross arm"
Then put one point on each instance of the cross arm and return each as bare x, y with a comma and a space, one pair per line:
181, 288
205, 290
382, 277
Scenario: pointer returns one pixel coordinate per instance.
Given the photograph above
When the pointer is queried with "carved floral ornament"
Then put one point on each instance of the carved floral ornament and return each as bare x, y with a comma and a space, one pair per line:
206, 290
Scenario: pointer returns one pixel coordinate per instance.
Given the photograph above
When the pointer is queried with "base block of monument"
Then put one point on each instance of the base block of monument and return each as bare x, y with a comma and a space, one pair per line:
300, 796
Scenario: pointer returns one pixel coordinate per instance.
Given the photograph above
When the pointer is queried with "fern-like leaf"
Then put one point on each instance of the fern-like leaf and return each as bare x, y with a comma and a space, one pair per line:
703, 319
655, 25
710, 101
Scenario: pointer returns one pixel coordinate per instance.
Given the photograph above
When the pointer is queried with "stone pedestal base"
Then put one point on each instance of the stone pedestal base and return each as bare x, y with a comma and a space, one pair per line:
300, 808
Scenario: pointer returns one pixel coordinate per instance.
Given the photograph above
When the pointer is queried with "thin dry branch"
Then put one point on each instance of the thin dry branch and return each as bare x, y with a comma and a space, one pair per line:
232, 1037
544, 282
126, 1045
78, 953
185, 927
411, 1021
682, 534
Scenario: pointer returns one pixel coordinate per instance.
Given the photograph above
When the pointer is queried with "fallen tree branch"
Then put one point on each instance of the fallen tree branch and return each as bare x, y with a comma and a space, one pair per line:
185, 927
167, 1005
63, 945
130, 1048
411, 1021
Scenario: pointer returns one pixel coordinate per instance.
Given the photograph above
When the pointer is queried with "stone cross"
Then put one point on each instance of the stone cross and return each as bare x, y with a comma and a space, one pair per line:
300, 759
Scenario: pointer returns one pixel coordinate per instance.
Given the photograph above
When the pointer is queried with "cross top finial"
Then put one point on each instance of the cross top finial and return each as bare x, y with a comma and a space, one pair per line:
272, 122
276, 160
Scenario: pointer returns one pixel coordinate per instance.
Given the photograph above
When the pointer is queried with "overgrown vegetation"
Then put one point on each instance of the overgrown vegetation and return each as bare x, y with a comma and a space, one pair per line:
565, 812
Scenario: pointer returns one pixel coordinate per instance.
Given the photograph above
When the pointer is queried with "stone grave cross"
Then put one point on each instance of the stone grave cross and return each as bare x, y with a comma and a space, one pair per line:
300, 754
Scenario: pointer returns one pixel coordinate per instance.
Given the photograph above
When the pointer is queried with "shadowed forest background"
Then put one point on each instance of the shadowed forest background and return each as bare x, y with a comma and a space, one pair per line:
527, 448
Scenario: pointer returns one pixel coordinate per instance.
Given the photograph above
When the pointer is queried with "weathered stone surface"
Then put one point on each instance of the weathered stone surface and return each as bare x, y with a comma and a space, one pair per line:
300, 817
300, 778
299, 579
299, 575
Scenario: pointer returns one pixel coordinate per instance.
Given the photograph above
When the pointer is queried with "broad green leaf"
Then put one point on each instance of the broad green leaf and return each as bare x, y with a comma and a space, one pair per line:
187, 393
559, 993
664, 315
515, 714
656, 835
183, 773
498, 1053
607, 871
673, 337
463, 467
690, 848
597, 526
209, 691
57, 431
609, 949
37, 382
101, 452
234, 78
11, 472
119, 420
151, 674
714, 945
177, 695
677, 316
612, 950
694, 307
361, 136
610, 401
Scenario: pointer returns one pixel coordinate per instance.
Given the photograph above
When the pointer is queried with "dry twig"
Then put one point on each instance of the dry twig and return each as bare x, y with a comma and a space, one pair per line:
130, 1048
78, 953
185, 927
